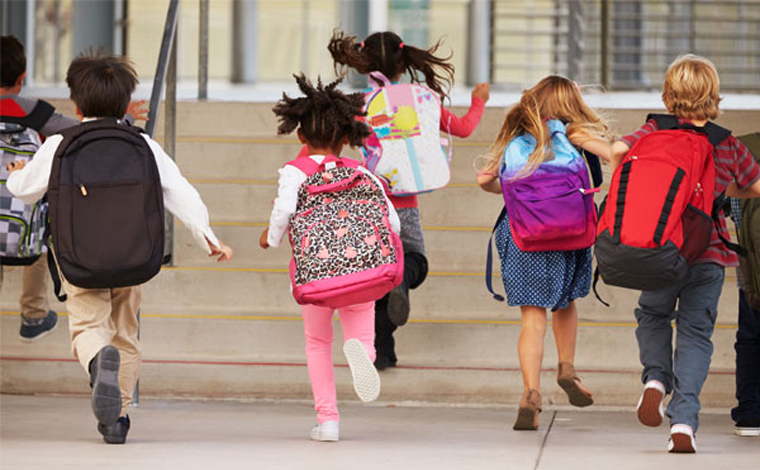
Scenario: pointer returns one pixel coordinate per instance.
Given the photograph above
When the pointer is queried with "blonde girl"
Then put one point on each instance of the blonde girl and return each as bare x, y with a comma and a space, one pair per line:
540, 280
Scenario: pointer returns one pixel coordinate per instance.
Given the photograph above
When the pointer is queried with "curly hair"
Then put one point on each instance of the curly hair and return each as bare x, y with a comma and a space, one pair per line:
386, 52
326, 115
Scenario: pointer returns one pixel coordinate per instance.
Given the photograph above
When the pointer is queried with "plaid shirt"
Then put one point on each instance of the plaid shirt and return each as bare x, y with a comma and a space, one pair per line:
733, 162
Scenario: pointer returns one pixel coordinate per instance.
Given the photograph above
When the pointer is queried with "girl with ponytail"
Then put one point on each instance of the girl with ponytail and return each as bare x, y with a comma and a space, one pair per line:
387, 53
537, 280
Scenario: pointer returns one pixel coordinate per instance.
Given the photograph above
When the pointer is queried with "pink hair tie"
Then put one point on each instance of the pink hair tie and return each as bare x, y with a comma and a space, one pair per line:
401, 46
361, 44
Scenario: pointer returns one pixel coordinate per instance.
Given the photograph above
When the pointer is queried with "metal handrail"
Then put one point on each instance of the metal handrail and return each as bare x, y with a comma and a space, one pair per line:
167, 42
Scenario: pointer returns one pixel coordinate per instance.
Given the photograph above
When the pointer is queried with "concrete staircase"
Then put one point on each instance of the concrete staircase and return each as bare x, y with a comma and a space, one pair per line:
233, 330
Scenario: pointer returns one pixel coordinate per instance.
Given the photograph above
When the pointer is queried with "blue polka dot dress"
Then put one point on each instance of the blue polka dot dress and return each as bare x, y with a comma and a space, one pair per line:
549, 279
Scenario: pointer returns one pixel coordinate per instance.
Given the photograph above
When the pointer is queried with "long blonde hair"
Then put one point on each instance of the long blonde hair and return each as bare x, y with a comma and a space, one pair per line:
554, 97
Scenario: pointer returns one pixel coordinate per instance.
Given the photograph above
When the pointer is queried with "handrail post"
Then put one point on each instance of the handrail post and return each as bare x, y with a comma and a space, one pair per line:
167, 59
575, 39
604, 44
479, 42
203, 51
170, 27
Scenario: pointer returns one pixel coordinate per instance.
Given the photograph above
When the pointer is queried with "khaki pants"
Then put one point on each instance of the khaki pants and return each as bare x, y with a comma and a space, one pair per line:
34, 291
99, 317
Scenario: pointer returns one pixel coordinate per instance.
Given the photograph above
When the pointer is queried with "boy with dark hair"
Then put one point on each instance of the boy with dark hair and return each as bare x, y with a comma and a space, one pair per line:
690, 93
103, 320
37, 119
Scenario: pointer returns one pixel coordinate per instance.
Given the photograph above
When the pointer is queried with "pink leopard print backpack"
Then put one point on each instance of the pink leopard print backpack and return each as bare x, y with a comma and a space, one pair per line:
344, 251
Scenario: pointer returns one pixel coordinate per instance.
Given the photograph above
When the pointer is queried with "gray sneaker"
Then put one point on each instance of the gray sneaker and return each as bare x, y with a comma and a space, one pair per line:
32, 330
398, 305
104, 380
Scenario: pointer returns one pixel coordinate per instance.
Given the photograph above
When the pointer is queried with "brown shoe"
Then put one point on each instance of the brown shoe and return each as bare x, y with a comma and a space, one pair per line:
570, 383
527, 414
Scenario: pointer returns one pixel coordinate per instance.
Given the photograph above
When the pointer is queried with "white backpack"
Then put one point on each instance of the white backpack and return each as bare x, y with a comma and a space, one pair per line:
406, 148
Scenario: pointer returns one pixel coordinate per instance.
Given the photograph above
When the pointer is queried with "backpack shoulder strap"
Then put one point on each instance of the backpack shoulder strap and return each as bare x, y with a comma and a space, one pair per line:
305, 164
34, 120
489, 257
715, 133
664, 121
70, 134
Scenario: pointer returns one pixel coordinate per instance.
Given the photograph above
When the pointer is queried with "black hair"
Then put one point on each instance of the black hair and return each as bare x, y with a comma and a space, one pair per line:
13, 62
387, 53
325, 115
101, 85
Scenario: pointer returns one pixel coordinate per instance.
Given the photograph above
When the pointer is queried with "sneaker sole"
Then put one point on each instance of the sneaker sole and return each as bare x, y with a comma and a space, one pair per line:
747, 432
681, 444
398, 307
106, 394
526, 419
39, 336
366, 378
323, 438
648, 411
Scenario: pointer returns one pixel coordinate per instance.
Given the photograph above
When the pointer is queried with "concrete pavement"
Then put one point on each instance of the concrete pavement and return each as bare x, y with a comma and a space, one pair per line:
45, 432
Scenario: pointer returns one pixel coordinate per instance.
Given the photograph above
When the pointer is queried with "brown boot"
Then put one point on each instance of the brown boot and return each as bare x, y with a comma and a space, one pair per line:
570, 383
527, 414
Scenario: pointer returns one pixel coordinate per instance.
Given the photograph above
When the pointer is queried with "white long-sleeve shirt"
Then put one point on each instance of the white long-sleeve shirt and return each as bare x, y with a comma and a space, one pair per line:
291, 179
180, 197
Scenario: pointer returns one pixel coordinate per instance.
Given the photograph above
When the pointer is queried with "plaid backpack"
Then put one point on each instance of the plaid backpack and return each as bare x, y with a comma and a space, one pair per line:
21, 225
344, 251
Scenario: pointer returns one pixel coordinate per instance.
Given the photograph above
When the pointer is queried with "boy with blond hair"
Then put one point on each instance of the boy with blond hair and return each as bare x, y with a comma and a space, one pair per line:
691, 94
103, 317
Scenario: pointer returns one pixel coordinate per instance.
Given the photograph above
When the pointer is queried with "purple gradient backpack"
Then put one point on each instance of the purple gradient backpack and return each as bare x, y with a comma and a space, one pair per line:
551, 209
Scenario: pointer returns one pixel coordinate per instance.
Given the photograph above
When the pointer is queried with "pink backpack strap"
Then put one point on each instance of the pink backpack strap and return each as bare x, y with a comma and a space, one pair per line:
305, 164
309, 166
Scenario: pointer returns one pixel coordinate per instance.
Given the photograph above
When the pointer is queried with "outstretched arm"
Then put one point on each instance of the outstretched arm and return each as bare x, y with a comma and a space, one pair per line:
463, 126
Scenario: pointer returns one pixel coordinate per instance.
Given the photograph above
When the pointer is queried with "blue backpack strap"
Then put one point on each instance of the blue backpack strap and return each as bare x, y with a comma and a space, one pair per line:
489, 257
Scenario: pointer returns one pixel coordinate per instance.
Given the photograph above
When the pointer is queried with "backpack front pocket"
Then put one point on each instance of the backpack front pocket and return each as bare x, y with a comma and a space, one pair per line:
109, 224
546, 209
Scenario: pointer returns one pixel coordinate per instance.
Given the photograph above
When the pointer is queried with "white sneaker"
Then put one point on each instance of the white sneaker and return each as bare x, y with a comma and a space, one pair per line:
747, 431
366, 378
682, 439
329, 431
651, 407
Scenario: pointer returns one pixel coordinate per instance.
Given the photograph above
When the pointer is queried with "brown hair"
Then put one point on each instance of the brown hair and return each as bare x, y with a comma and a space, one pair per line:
325, 115
692, 88
12, 61
385, 52
101, 85
554, 97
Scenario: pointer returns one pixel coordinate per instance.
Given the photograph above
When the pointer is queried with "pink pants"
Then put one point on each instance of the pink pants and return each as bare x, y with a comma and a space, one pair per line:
358, 322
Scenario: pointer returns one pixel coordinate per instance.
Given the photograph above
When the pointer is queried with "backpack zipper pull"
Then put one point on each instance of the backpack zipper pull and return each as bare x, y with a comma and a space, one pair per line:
83, 190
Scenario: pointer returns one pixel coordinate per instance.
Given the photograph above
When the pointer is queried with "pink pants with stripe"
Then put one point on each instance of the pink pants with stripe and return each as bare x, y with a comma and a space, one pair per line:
358, 322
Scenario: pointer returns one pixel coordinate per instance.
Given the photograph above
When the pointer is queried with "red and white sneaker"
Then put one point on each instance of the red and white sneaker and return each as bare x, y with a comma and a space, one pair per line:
682, 440
651, 407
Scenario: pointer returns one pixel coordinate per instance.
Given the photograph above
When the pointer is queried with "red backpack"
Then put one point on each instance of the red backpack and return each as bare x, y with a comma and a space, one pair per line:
656, 219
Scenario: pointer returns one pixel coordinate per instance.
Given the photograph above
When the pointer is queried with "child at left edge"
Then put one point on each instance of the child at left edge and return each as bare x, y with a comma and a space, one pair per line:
103, 322
325, 120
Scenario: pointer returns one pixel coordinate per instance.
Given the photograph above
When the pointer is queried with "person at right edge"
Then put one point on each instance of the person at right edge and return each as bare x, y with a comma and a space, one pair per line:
690, 93
746, 414
386, 52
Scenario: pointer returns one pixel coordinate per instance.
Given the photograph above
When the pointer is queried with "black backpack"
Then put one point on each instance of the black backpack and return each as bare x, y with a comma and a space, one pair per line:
106, 206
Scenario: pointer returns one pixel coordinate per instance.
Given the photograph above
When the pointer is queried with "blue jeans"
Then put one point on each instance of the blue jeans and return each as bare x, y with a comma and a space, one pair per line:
685, 371
747, 365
